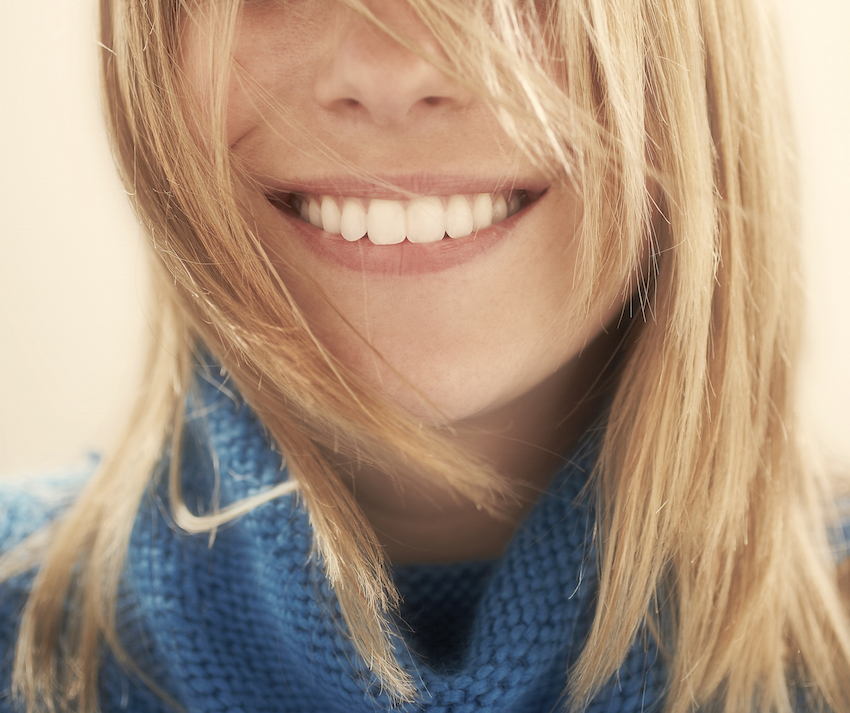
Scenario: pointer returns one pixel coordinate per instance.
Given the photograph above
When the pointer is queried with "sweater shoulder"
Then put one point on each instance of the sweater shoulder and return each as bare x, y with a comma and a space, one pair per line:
28, 503
31, 501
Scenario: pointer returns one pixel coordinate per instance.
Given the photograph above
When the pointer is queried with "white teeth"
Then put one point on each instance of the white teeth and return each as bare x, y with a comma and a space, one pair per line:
331, 215
500, 209
426, 220
352, 225
314, 214
385, 222
458, 217
482, 211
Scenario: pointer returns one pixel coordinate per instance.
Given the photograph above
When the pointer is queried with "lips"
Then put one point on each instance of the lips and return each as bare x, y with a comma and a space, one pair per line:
401, 235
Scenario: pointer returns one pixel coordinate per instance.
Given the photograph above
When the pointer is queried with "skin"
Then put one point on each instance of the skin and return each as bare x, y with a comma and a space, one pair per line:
494, 344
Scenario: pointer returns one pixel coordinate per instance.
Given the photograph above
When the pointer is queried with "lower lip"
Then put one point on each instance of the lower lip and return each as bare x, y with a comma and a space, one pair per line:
404, 258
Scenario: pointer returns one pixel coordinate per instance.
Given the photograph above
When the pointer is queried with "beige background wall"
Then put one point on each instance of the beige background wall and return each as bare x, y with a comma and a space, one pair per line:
72, 287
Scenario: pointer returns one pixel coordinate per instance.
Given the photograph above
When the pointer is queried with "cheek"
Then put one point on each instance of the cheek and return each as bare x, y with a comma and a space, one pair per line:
276, 56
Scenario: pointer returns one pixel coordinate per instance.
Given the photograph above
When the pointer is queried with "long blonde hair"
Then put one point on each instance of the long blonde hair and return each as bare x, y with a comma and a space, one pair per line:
670, 118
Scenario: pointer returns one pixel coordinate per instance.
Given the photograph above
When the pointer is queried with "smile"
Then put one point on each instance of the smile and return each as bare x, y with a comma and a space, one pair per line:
426, 219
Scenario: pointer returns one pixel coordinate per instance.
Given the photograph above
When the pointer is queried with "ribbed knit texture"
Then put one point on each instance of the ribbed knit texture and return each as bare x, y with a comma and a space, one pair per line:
250, 624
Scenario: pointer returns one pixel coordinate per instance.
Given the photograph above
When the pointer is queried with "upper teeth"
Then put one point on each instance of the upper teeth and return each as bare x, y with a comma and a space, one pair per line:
420, 220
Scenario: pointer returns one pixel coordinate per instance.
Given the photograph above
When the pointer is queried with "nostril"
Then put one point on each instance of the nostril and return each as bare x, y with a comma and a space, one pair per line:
432, 101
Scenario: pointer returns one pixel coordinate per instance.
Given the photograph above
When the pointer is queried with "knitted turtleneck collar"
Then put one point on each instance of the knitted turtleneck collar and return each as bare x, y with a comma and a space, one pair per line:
250, 624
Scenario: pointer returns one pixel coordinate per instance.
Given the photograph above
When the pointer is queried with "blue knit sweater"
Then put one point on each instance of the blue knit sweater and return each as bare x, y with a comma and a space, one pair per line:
250, 624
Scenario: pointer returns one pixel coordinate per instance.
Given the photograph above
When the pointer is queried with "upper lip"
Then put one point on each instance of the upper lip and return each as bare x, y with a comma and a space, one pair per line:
400, 187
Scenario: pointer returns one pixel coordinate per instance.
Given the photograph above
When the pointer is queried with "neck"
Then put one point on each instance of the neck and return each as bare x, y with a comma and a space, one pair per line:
526, 440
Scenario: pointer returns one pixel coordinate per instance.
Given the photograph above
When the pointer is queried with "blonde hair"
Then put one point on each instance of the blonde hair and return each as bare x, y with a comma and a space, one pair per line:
669, 116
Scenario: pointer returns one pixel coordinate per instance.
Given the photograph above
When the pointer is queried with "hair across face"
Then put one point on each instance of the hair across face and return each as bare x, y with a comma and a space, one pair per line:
332, 120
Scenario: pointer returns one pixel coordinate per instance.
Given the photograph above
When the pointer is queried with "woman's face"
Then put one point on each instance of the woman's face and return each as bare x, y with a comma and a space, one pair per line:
349, 132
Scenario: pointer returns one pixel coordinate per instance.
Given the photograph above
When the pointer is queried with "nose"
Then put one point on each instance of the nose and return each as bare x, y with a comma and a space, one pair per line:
370, 76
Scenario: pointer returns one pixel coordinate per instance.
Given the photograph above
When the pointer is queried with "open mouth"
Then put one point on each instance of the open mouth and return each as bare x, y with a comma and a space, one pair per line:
425, 219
